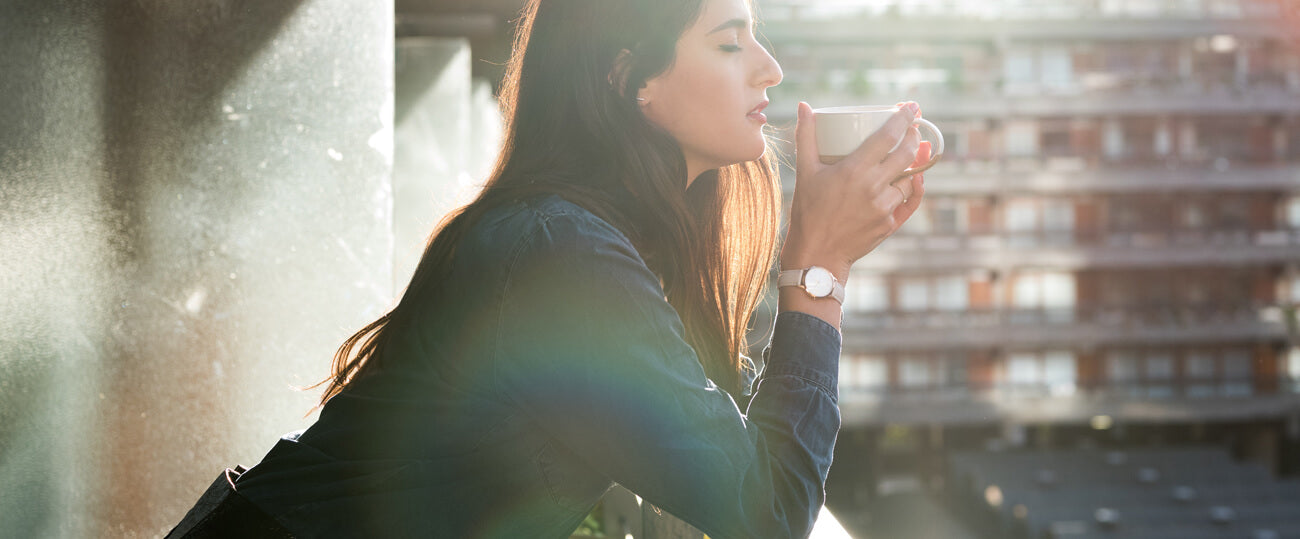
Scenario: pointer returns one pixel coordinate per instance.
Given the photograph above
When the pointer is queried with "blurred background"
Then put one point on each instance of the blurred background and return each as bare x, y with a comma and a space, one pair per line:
1088, 330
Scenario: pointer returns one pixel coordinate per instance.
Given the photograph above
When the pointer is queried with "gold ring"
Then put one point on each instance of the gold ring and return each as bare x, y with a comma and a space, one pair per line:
900, 191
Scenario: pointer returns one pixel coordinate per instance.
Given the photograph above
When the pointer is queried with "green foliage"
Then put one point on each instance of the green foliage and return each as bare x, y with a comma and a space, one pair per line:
594, 524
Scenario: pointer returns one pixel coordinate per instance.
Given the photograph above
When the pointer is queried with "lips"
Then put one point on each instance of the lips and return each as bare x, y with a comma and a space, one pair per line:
757, 112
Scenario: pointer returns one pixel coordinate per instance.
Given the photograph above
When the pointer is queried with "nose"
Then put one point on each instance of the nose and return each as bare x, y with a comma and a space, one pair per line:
768, 73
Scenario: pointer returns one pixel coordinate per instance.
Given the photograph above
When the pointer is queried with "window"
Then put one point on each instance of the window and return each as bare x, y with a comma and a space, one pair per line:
1022, 138
1058, 69
914, 373
1059, 372
1112, 140
863, 375
1053, 293
1199, 370
1293, 212
1021, 222
1058, 222
1238, 373
866, 293
951, 293
1051, 372
914, 294
1121, 368
1058, 216
1022, 215
938, 376
947, 216
1019, 72
942, 292
1022, 370
1122, 372
1159, 367
1164, 141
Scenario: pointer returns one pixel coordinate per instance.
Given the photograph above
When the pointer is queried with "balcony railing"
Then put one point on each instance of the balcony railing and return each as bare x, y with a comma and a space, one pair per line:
1149, 390
1019, 10
1281, 237
1172, 401
1119, 316
1067, 102
1069, 250
1080, 326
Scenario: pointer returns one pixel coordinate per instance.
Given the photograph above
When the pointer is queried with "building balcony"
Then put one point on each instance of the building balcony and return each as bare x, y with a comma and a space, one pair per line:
957, 21
1067, 250
1064, 101
902, 331
1058, 175
1168, 401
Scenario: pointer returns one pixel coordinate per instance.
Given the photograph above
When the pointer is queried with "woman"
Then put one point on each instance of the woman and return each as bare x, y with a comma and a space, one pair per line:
582, 322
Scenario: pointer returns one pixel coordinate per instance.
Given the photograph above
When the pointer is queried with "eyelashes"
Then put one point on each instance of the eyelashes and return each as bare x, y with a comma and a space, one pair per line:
730, 48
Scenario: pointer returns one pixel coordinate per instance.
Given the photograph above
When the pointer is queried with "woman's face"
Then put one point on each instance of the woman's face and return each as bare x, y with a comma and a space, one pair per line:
712, 96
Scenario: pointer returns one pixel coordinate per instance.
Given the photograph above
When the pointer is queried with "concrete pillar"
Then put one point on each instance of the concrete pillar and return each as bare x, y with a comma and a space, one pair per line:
196, 211
446, 137
431, 142
58, 266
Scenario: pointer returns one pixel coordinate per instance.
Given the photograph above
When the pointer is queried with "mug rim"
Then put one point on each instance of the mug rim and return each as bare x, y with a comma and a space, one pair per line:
851, 109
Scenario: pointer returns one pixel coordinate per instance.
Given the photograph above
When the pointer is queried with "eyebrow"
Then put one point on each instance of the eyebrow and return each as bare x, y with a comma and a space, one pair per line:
733, 23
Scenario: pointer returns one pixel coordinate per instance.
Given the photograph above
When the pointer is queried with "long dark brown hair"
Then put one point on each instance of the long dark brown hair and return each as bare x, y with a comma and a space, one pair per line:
575, 131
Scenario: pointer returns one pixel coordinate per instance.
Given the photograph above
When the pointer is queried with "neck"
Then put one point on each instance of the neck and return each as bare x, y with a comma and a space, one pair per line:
694, 170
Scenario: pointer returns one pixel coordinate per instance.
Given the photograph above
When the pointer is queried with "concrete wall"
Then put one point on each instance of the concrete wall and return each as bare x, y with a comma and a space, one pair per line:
195, 209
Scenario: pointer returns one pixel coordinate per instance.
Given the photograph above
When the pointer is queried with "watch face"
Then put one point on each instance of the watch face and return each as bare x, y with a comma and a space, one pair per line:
818, 282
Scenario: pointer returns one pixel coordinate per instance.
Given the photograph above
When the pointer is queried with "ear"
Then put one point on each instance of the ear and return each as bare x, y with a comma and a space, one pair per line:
618, 72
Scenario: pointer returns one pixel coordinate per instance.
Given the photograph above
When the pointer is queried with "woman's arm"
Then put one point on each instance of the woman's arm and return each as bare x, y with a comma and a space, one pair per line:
592, 352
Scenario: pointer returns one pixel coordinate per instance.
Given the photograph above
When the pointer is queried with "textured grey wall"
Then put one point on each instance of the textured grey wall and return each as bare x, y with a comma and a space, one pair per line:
195, 209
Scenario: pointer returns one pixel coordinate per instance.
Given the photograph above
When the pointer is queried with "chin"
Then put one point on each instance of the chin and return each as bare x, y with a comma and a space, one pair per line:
759, 148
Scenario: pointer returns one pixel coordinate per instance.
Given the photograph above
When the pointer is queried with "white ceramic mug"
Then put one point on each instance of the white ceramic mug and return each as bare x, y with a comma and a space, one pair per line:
840, 130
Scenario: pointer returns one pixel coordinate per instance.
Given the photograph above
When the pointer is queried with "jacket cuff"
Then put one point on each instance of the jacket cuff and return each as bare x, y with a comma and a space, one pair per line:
806, 347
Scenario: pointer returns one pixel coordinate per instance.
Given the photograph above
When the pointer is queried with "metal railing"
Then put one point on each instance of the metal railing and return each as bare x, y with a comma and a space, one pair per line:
1021, 10
1170, 389
1116, 316
1136, 239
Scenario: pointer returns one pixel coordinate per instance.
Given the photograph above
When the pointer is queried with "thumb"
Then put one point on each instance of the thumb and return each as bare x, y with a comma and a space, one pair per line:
805, 138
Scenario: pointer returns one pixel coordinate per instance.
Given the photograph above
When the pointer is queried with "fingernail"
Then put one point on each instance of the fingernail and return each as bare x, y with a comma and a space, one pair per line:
913, 107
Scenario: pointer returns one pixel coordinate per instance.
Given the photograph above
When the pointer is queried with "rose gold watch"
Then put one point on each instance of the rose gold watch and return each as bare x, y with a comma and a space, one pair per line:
817, 281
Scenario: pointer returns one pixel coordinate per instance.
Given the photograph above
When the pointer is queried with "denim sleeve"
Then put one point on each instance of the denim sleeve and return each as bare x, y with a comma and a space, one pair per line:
591, 351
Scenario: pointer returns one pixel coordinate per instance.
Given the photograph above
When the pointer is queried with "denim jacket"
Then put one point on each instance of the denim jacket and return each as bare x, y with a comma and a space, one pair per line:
550, 368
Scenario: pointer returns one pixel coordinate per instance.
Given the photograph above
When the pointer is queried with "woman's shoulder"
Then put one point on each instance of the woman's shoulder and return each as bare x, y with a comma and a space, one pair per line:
547, 222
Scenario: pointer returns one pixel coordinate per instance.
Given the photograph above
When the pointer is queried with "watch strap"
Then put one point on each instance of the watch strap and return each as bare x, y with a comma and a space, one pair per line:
790, 278
837, 291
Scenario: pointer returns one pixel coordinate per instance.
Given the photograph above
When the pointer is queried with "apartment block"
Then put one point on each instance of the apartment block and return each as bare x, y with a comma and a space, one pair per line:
1109, 252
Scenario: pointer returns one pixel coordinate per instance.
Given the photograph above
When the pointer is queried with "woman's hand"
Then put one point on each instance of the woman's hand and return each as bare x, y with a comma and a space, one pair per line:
843, 211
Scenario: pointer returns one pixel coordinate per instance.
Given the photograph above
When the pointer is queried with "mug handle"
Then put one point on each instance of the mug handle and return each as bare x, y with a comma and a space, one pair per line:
936, 151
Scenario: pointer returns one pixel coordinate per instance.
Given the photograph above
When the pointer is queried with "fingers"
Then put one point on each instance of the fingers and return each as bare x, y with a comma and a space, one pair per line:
905, 154
906, 184
879, 144
923, 153
805, 137
906, 208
